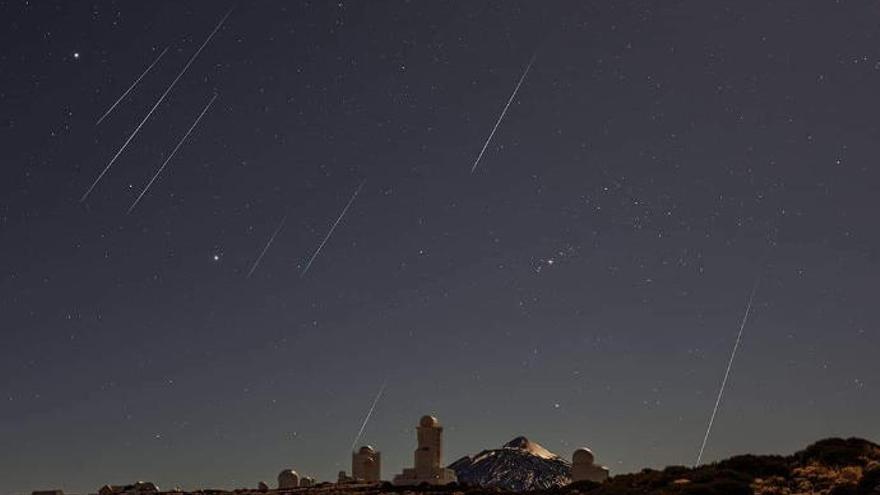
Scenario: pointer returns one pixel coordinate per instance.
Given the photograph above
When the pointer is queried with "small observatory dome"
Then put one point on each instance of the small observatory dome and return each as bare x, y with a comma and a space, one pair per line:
428, 422
288, 479
583, 455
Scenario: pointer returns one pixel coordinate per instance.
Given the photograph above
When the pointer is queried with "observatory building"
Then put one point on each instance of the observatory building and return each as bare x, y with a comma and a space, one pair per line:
366, 465
583, 467
428, 457
288, 479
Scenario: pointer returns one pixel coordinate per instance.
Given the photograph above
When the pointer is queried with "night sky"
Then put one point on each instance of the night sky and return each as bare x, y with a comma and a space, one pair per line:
583, 286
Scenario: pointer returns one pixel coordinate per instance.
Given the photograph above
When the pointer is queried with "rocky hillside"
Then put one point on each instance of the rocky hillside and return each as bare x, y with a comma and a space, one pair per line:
519, 465
829, 467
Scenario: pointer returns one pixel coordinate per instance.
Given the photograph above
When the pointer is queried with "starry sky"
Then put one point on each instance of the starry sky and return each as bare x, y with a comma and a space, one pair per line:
583, 286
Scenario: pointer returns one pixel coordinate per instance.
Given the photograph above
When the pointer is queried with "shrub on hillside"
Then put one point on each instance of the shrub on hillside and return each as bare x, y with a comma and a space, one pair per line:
758, 466
580, 486
723, 486
676, 472
870, 482
836, 452
844, 490
645, 482
712, 480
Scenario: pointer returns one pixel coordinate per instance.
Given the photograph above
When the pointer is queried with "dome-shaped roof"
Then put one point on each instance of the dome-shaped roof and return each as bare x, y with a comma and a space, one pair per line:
583, 455
428, 421
366, 449
288, 474
288, 479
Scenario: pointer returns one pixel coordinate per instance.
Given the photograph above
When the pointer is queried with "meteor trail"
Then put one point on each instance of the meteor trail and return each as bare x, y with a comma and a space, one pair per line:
321, 246
131, 87
158, 102
369, 413
503, 113
266, 248
179, 144
742, 326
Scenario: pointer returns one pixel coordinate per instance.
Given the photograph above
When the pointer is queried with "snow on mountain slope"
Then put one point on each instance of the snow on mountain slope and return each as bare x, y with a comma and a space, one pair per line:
518, 465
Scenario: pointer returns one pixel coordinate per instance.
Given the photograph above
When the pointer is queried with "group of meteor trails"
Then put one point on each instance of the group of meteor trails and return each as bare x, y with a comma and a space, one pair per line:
198, 119
348, 205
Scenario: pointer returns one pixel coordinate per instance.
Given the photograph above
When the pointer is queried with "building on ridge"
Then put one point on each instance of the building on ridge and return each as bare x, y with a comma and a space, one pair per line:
366, 465
428, 457
343, 478
583, 467
288, 479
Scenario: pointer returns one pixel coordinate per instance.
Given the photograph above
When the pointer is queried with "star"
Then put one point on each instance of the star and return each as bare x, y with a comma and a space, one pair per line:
76, 55
216, 257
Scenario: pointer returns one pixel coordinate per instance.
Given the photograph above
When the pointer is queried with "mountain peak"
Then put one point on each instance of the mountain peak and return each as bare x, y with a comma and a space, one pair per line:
518, 465
534, 448
517, 443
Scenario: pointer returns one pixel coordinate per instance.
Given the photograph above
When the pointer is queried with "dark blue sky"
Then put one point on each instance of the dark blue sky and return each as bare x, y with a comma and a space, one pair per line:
583, 287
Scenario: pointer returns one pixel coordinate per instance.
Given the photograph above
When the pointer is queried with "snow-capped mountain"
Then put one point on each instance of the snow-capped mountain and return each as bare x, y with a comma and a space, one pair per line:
517, 466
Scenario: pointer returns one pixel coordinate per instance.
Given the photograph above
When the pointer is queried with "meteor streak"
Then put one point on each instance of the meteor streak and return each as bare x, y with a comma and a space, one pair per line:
369, 413
127, 91
158, 102
742, 327
179, 144
503, 113
266, 248
321, 246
